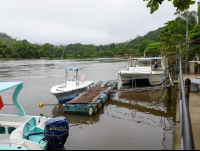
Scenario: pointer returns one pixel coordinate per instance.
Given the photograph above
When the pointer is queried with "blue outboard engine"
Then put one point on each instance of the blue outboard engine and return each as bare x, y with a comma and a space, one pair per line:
56, 132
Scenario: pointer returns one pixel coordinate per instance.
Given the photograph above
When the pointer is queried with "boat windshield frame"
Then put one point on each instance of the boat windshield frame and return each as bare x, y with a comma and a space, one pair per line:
9, 85
73, 68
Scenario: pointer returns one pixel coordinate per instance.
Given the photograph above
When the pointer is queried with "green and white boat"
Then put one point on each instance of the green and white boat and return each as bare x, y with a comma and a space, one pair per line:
21, 132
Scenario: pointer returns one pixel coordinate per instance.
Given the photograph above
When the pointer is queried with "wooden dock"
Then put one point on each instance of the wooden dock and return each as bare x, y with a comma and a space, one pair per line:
90, 101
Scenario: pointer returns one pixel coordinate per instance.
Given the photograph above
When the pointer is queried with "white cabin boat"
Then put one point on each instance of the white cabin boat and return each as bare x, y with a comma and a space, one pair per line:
16, 131
145, 68
72, 87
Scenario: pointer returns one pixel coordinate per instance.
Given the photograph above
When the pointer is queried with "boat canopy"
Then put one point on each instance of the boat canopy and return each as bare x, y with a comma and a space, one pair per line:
8, 85
73, 68
155, 58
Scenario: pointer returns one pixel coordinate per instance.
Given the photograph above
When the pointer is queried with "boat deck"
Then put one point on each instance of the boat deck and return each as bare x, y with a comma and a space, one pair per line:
91, 100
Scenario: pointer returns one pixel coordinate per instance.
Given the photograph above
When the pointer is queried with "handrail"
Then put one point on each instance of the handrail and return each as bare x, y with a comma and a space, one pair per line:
187, 140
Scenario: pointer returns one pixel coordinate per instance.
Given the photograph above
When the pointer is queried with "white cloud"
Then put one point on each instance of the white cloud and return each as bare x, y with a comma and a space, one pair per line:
81, 21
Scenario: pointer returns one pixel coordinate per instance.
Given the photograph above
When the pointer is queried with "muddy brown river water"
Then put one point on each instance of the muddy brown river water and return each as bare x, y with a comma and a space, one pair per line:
128, 120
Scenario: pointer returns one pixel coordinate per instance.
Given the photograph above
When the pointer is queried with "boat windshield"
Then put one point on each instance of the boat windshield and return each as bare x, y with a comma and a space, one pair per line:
144, 63
132, 63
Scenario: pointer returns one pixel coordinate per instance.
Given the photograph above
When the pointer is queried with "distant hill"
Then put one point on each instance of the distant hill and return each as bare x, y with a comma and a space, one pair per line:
6, 39
151, 36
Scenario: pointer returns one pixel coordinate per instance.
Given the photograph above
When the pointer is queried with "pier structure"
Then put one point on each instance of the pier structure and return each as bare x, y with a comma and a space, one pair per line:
90, 101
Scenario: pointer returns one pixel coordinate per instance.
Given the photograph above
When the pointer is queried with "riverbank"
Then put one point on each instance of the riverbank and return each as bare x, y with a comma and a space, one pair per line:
194, 108
116, 56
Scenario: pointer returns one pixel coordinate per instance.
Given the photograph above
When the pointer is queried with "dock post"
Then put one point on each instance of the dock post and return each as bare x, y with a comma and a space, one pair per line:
187, 89
169, 94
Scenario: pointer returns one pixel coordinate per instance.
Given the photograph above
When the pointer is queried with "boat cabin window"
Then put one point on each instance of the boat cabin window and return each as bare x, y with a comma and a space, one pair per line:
11, 129
144, 63
132, 63
2, 130
156, 64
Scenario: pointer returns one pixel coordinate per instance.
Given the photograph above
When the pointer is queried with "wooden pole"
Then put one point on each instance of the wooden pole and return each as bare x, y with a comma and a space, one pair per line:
169, 94
187, 89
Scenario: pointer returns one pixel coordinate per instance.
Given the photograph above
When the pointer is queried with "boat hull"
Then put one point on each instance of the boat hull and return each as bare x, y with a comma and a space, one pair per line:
62, 97
154, 79
66, 93
129, 77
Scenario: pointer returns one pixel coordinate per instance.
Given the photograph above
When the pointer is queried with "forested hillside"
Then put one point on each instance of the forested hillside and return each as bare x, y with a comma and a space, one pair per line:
166, 38
13, 48
5, 39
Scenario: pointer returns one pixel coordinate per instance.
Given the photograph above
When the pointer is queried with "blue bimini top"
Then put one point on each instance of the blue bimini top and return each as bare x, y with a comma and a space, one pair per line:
156, 58
73, 68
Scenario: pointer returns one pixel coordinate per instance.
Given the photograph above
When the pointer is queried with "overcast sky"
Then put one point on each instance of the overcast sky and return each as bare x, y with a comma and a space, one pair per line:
95, 22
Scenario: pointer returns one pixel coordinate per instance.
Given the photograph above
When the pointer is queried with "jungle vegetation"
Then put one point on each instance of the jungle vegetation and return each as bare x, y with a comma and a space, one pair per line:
166, 38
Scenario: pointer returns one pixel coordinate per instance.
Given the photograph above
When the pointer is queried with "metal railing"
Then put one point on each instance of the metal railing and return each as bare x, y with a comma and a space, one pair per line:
187, 140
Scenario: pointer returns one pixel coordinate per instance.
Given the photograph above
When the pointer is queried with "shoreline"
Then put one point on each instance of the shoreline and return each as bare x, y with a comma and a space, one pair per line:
13, 59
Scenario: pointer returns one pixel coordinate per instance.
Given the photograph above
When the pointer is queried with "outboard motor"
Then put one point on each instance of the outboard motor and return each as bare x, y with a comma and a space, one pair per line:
56, 132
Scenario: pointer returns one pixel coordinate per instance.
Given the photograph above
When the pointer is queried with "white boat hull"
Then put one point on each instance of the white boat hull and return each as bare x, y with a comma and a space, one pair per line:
67, 92
154, 79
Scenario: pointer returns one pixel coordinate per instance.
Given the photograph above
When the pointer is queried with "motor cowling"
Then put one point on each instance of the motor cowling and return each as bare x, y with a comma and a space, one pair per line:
56, 132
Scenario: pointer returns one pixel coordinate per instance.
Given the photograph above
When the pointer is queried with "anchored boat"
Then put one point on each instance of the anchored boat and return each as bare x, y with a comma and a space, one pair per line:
72, 87
153, 69
24, 132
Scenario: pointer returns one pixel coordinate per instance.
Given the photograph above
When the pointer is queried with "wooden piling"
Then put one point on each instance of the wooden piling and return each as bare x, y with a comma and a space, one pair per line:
187, 89
169, 94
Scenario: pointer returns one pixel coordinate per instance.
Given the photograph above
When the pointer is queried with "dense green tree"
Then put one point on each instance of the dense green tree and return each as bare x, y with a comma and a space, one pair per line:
194, 33
59, 52
175, 30
193, 51
120, 52
4, 50
179, 4
152, 49
48, 50
142, 46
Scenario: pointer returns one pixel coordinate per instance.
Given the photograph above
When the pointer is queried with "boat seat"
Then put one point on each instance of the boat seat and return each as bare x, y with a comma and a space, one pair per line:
16, 136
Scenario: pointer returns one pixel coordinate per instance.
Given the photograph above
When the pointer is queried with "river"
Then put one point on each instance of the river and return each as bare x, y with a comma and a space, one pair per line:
128, 120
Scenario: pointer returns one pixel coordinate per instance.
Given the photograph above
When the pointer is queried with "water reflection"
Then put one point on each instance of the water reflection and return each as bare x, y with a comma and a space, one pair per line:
128, 120
76, 119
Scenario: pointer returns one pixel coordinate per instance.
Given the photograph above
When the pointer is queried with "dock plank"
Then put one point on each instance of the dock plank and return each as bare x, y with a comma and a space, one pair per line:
90, 94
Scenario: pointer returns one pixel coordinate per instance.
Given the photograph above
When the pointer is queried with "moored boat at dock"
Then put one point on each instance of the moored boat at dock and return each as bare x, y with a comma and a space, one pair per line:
25, 132
72, 87
152, 69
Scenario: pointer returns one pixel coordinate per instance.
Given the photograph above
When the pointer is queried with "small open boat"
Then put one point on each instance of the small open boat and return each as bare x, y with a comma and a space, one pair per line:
24, 132
72, 87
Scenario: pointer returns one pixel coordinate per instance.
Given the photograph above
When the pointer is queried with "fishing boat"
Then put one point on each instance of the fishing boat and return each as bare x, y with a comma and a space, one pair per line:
152, 69
25, 132
72, 87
